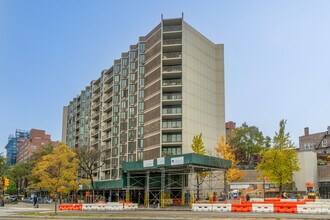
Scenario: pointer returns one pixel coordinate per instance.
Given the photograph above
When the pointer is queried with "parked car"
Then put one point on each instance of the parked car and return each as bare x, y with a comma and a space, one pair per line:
13, 198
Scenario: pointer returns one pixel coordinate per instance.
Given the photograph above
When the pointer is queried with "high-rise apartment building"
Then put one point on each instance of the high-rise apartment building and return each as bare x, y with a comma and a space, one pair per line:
153, 99
11, 146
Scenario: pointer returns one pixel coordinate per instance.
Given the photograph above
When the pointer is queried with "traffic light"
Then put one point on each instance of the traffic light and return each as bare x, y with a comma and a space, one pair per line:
6, 182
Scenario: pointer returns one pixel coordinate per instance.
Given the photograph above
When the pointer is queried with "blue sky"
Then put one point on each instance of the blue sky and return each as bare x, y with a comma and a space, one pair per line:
277, 56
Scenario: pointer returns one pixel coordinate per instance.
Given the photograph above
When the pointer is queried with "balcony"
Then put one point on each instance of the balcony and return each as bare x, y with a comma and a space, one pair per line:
106, 127
172, 55
95, 124
174, 124
106, 137
172, 28
107, 107
171, 69
96, 88
175, 96
171, 111
107, 78
95, 106
106, 167
95, 115
172, 42
107, 117
94, 132
106, 88
96, 97
94, 142
172, 82
107, 97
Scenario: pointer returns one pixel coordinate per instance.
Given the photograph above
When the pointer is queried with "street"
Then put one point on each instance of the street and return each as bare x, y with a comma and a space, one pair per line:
45, 211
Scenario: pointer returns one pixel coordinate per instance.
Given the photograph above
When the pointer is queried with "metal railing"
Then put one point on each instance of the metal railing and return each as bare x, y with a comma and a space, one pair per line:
172, 41
172, 110
172, 28
172, 96
172, 55
175, 82
177, 68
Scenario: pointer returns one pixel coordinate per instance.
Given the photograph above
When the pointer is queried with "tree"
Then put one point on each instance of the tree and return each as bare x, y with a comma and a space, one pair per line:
228, 152
3, 168
279, 162
248, 142
20, 173
57, 171
89, 161
199, 148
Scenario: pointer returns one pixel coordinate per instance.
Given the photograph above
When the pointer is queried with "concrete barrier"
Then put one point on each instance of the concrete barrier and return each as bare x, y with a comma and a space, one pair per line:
309, 208
132, 206
221, 207
288, 200
263, 208
257, 200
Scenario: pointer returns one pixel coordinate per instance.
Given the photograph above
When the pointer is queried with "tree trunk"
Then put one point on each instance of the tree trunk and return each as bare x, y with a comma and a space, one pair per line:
93, 187
197, 178
56, 205
280, 189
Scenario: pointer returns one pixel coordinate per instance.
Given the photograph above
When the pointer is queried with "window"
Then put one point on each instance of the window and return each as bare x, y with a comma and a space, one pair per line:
132, 88
116, 68
175, 137
115, 108
140, 155
142, 58
115, 99
141, 70
115, 119
167, 151
123, 116
131, 135
132, 77
116, 79
123, 104
133, 55
124, 93
141, 107
124, 61
131, 123
114, 141
123, 83
130, 157
124, 73
132, 66
123, 126
141, 94
141, 82
123, 137
116, 88
140, 119
131, 111
131, 147
131, 100
140, 131
33, 147
140, 143
142, 47
114, 130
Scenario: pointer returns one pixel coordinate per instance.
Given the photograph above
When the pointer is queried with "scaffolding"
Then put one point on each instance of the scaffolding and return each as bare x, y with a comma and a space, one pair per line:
11, 146
170, 180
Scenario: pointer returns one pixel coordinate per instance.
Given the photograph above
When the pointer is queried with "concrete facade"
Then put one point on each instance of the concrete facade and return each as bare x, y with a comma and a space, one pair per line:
153, 99
308, 172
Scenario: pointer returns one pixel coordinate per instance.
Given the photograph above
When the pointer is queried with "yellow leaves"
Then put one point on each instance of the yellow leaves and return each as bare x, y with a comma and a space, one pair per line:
57, 171
228, 152
198, 145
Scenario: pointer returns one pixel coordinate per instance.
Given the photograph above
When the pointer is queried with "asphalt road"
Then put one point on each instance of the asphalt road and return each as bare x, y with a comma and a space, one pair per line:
20, 211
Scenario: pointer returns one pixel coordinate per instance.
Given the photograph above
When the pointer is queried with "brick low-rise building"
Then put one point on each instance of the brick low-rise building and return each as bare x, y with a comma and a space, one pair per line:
26, 147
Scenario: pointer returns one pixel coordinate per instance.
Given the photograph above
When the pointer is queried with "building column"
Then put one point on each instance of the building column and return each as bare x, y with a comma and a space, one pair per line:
128, 186
190, 186
146, 193
162, 189
183, 192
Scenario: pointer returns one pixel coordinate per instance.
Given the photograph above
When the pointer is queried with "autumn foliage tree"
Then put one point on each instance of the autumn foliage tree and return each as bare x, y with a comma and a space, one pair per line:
228, 152
248, 142
279, 162
199, 148
57, 172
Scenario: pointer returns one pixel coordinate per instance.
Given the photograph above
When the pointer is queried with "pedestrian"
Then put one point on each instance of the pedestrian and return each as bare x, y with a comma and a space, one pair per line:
247, 197
35, 202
